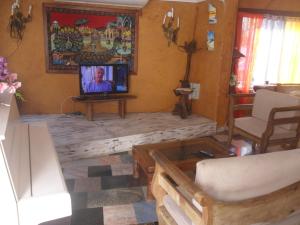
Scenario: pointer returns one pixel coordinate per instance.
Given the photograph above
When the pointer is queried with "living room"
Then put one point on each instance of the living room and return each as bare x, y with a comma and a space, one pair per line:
100, 155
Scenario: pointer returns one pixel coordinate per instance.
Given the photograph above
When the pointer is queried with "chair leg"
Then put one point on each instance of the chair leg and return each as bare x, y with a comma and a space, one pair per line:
254, 148
263, 147
230, 135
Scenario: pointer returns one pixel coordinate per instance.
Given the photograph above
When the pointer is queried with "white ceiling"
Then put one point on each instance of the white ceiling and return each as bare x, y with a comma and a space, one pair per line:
127, 3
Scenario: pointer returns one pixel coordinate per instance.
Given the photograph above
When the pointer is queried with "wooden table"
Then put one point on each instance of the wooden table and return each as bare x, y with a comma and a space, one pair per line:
183, 153
90, 101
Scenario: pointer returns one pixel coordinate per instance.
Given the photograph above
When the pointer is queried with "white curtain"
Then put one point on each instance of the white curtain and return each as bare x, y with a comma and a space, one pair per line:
277, 52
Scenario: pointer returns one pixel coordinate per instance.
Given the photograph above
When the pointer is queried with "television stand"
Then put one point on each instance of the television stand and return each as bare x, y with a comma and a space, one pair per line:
89, 101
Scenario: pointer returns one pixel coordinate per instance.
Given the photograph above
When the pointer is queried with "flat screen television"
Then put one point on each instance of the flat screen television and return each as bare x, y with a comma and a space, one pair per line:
103, 79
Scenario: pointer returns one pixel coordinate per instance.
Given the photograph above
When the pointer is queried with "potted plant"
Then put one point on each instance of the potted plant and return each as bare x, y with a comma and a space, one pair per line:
8, 81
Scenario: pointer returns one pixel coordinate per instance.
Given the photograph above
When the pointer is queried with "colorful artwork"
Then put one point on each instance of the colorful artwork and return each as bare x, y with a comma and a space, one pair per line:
81, 36
211, 40
212, 14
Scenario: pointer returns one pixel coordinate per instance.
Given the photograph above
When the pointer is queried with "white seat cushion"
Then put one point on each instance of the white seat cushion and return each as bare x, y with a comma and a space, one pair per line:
257, 127
266, 100
240, 178
50, 199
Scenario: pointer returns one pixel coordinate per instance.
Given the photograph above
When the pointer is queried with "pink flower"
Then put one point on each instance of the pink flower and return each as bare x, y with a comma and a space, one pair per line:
12, 77
3, 87
12, 88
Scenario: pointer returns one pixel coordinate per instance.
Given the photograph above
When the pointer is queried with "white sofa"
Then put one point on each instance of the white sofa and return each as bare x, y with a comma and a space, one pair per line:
32, 189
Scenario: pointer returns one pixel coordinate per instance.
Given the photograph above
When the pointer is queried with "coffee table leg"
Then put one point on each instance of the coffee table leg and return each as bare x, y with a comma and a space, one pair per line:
136, 167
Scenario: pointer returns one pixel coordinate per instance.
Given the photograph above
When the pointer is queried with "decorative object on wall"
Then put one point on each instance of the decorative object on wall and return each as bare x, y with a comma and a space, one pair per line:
171, 26
76, 34
17, 21
212, 14
211, 40
183, 107
8, 81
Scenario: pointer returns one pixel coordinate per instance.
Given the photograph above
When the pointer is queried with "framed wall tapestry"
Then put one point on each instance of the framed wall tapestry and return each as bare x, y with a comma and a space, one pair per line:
77, 34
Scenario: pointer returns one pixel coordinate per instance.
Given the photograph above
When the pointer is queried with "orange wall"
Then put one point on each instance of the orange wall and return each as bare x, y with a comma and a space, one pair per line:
159, 70
212, 68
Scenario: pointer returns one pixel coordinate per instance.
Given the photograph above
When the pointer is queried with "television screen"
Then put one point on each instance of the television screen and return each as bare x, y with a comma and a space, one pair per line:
99, 79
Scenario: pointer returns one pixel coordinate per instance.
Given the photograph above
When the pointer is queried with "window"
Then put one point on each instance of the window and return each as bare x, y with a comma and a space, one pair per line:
271, 46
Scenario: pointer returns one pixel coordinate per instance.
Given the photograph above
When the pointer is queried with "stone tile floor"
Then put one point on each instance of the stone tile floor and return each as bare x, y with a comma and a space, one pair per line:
104, 192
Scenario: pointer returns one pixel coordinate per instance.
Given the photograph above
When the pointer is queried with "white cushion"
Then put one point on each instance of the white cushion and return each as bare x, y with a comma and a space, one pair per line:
50, 199
240, 178
257, 127
266, 100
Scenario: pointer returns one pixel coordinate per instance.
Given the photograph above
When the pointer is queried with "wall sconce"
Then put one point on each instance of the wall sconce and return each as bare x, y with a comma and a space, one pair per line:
169, 28
17, 20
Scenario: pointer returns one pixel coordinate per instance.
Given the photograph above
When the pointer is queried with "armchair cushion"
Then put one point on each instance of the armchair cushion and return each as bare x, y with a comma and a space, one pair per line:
241, 178
266, 100
257, 127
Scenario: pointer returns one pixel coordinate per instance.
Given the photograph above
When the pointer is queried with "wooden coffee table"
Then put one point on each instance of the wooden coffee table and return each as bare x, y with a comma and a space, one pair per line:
184, 153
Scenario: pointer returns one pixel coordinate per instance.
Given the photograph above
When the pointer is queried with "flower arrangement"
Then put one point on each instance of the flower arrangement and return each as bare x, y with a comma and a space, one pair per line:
8, 81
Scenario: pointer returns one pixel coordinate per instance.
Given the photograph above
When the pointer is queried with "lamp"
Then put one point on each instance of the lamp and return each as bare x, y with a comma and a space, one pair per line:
169, 28
17, 20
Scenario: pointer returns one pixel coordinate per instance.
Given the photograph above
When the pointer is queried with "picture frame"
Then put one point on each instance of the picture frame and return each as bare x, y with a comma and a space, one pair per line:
77, 34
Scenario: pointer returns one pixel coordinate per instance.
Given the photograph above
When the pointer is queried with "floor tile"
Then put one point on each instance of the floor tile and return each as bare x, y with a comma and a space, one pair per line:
79, 200
109, 160
115, 197
99, 171
119, 215
91, 184
87, 217
145, 212
61, 221
74, 173
82, 163
121, 182
122, 169
126, 158
70, 184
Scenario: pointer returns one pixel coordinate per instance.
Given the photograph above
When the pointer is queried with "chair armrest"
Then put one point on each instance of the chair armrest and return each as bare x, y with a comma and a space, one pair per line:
242, 95
272, 121
232, 102
234, 107
169, 177
285, 120
178, 176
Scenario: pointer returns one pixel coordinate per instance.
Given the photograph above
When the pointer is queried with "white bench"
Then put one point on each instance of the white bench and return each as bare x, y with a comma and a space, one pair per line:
32, 189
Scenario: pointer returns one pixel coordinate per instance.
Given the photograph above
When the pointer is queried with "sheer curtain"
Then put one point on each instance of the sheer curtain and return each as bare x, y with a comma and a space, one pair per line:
248, 29
289, 67
271, 45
